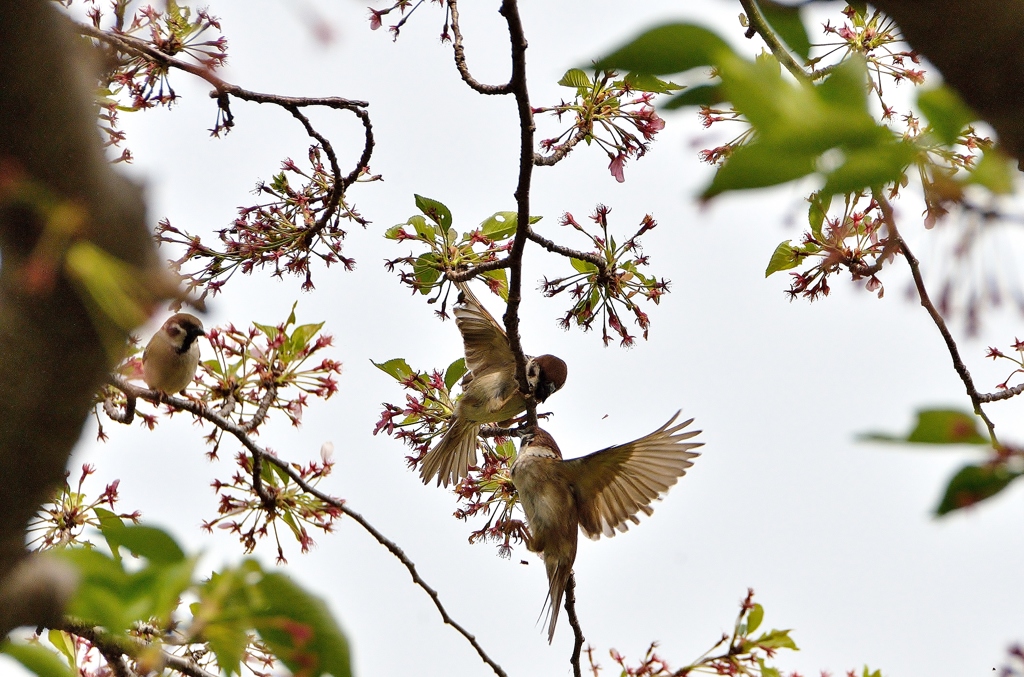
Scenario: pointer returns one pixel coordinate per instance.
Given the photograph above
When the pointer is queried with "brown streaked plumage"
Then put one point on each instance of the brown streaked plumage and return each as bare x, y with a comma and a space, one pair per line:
598, 493
171, 357
490, 389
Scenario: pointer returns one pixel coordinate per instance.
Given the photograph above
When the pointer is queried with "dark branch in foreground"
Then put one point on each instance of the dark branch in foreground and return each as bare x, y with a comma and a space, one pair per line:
113, 648
260, 455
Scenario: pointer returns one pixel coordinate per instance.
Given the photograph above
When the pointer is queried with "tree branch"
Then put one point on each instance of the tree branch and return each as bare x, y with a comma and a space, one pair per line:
962, 370
757, 24
470, 273
112, 645
260, 455
559, 153
591, 257
574, 622
460, 58
510, 10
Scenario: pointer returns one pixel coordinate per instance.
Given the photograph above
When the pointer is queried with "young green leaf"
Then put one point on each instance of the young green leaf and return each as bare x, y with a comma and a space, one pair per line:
456, 370
783, 258
440, 214
973, 484
946, 112
397, 368
575, 77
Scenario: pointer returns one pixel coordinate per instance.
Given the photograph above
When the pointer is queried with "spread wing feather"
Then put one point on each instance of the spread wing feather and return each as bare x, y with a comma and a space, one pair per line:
485, 342
616, 483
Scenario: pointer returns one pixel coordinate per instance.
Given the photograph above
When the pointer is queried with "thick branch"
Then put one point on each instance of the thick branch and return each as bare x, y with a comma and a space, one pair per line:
460, 58
260, 455
510, 10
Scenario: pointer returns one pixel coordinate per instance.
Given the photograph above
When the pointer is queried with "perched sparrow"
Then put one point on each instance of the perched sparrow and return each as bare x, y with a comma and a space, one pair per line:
490, 391
598, 493
172, 355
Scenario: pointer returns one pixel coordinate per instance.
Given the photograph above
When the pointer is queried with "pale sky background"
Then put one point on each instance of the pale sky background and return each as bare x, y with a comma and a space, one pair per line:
835, 536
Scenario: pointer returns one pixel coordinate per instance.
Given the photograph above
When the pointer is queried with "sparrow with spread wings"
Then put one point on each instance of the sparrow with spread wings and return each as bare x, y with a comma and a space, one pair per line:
598, 493
490, 390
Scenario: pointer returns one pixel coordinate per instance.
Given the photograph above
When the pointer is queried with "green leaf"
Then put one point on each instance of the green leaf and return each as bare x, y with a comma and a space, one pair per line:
422, 228
502, 279
946, 112
672, 48
757, 165
973, 484
582, 266
392, 232
776, 639
938, 426
783, 258
755, 617
397, 368
820, 204
869, 167
37, 659
456, 370
785, 20
499, 225
435, 210
994, 171
299, 629
702, 95
645, 82
575, 77
425, 272
301, 336
271, 332
871, 673
110, 524
64, 643
149, 542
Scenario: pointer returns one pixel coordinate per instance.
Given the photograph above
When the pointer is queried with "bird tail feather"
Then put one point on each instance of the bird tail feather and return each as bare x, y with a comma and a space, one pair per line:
450, 459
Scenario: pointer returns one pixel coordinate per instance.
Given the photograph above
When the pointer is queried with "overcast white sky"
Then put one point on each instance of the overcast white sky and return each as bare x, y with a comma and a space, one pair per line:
835, 536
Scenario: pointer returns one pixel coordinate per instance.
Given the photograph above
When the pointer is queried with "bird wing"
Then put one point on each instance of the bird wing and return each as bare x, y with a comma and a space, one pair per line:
485, 342
614, 484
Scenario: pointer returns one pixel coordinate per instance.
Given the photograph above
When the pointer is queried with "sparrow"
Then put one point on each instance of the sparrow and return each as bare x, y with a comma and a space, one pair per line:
598, 493
490, 389
172, 355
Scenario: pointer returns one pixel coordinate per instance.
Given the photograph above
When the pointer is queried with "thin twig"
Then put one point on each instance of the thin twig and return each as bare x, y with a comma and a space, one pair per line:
1004, 394
259, 454
590, 257
470, 273
574, 622
560, 151
954, 351
460, 58
261, 411
757, 24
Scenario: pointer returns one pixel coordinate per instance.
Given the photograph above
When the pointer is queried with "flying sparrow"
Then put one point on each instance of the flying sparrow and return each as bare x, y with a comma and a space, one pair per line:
598, 493
172, 355
490, 389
